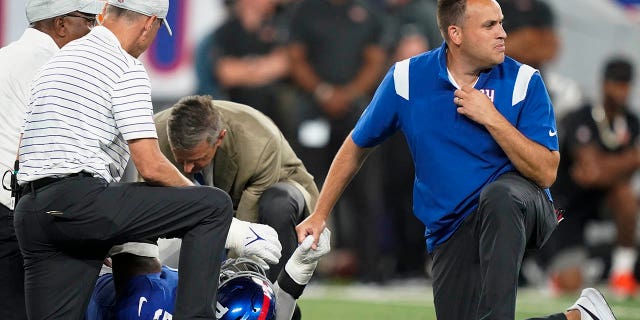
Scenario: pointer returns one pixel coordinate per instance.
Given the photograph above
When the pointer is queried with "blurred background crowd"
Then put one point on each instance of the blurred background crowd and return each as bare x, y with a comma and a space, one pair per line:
313, 65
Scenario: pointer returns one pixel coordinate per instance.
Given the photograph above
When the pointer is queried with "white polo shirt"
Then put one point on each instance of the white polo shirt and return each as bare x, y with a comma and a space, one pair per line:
86, 102
19, 62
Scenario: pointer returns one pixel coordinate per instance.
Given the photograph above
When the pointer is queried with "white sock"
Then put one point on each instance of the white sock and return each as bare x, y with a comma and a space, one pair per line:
623, 260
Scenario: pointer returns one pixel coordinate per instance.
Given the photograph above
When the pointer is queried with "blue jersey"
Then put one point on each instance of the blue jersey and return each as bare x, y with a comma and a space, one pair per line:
455, 157
148, 297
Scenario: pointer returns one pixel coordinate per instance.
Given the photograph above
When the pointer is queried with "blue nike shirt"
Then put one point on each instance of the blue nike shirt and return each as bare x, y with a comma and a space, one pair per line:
148, 297
454, 156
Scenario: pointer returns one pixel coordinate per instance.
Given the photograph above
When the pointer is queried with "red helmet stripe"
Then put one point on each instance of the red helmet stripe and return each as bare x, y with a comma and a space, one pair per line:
264, 311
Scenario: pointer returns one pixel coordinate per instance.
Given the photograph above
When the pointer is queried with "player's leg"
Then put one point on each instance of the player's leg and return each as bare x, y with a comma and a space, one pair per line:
281, 206
512, 212
456, 274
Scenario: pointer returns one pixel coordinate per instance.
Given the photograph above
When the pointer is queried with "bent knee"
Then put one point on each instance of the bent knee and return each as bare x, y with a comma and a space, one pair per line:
219, 200
497, 191
281, 203
278, 194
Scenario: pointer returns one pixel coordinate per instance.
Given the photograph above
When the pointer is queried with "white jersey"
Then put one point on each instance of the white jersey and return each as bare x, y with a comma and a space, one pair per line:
86, 102
19, 62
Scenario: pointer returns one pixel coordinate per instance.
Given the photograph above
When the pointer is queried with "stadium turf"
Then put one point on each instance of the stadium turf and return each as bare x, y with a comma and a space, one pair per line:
415, 301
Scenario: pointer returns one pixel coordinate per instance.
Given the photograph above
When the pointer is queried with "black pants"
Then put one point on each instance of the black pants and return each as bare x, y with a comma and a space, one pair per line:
476, 270
11, 270
66, 228
281, 207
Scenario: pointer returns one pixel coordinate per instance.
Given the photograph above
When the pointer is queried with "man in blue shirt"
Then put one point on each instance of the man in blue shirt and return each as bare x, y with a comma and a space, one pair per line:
482, 133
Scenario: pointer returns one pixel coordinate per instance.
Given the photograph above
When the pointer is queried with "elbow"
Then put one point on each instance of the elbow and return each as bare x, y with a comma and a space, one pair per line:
547, 179
549, 172
148, 171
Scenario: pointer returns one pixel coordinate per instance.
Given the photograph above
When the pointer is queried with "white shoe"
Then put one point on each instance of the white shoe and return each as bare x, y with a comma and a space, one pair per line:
593, 306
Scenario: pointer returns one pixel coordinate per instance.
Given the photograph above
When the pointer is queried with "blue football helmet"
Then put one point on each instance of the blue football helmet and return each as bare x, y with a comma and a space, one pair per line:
244, 292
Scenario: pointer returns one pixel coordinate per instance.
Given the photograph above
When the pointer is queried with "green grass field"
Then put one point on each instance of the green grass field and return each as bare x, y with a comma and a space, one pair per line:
413, 302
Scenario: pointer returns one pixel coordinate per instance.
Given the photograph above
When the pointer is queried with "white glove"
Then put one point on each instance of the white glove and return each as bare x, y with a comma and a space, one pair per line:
304, 260
258, 242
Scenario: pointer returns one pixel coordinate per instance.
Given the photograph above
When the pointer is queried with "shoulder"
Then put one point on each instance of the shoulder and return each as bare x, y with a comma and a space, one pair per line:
403, 73
163, 116
425, 62
517, 71
581, 115
632, 117
104, 292
151, 286
104, 45
239, 117
228, 27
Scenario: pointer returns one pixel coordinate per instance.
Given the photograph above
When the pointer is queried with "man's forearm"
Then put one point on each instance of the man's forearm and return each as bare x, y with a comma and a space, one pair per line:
531, 159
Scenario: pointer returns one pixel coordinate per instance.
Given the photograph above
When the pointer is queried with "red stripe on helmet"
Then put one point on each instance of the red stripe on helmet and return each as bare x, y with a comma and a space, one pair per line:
264, 311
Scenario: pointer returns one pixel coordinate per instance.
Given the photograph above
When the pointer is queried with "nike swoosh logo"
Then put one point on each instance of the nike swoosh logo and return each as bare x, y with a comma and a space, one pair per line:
142, 300
589, 312
254, 240
552, 133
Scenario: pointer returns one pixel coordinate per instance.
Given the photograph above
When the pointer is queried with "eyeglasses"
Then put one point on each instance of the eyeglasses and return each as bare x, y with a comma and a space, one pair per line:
91, 20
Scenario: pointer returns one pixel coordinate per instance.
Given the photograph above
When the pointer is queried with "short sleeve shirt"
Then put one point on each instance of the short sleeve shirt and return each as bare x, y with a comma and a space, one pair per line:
455, 157
19, 62
85, 104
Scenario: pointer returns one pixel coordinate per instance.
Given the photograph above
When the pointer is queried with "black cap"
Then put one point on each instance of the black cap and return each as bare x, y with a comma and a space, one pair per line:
520, 14
618, 69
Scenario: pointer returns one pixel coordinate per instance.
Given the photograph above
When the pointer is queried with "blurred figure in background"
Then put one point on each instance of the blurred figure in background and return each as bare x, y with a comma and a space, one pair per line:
337, 57
249, 56
207, 84
601, 153
204, 61
532, 39
412, 29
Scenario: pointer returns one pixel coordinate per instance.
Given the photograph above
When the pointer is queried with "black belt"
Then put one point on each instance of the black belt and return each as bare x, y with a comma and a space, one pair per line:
37, 184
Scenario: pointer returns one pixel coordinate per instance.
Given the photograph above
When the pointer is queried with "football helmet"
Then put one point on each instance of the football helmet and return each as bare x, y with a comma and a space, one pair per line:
244, 292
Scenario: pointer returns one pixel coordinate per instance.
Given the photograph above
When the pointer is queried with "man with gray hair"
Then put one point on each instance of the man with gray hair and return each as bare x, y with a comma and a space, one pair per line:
241, 151
52, 24
90, 112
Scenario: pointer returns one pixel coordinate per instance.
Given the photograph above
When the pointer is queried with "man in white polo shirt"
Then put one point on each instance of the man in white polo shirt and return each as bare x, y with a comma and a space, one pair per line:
52, 24
90, 112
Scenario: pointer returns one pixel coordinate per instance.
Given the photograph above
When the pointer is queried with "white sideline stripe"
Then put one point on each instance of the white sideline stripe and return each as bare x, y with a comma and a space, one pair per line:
401, 78
522, 83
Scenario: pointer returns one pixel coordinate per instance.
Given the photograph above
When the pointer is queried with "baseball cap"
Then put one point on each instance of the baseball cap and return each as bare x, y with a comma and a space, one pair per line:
158, 8
618, 69
38, 10
142, 249
520, 14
